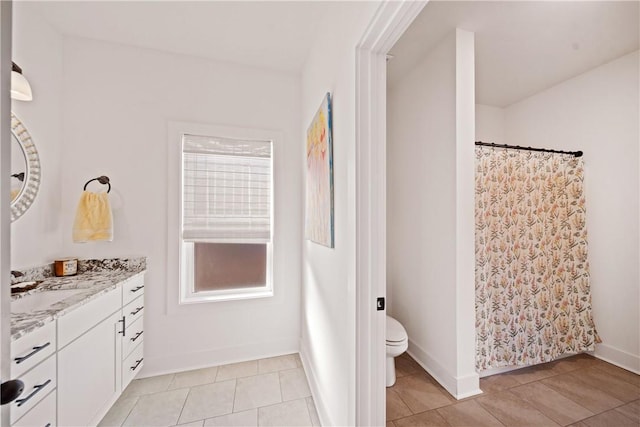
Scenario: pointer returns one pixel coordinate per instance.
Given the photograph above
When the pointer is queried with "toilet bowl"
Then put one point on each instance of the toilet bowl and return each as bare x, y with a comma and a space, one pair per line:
397, 343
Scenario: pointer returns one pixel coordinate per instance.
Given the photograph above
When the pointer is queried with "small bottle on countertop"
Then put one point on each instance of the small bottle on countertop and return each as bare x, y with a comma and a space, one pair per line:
66, 267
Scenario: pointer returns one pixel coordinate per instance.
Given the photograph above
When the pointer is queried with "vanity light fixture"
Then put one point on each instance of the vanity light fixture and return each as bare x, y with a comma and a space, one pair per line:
20, 87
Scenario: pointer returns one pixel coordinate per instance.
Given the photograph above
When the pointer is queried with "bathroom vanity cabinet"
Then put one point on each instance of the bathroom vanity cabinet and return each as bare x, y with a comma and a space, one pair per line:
82, 361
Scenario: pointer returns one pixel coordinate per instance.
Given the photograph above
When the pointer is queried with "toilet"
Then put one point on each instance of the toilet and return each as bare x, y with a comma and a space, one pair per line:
397, 343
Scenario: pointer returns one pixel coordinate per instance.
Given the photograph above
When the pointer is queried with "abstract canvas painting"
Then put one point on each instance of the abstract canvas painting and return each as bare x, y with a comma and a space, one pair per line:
319, 194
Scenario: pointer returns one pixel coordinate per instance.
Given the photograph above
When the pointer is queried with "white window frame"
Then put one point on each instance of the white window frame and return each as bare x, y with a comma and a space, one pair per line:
188, 294
181, 253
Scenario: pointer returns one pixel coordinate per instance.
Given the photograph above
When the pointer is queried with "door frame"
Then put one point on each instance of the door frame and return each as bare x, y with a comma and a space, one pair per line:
388, 24
5, 206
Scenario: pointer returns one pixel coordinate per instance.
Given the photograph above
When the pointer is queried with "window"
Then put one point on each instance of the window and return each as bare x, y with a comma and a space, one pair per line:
226, 218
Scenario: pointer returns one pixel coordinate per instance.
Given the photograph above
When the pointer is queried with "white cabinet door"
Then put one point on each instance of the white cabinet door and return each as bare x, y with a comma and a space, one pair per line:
88, 371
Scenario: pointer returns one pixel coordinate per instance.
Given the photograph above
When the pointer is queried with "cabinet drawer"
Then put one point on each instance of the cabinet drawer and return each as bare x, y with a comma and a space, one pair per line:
133, 337
132, 289
80, 320
43, 414
132, 365
133, 311
33, 348
38, 383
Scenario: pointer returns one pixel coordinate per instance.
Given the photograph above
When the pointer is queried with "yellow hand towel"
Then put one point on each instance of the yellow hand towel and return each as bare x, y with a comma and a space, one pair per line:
93, 218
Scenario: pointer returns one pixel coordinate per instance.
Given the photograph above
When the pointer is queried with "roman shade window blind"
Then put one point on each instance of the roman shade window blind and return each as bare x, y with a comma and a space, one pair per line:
226, 190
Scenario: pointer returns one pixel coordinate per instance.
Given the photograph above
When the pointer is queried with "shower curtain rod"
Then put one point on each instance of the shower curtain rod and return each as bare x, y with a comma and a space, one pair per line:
517, 147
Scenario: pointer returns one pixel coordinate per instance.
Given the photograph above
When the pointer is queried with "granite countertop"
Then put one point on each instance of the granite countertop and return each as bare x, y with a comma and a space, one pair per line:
95, 278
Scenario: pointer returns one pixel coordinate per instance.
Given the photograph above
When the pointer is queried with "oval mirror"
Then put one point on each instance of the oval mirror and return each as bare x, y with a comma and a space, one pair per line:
25, 169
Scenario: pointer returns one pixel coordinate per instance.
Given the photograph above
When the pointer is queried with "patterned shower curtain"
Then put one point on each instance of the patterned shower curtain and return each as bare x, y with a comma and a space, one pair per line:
533, 301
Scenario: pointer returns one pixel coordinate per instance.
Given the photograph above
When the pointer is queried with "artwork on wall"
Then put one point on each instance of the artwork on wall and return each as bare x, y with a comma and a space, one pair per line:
319, 195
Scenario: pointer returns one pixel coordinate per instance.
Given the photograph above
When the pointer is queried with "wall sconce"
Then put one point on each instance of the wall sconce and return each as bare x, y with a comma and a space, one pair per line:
20, 87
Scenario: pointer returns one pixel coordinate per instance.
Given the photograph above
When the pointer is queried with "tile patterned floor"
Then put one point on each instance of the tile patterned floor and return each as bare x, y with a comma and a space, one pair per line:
266, 392
580, 391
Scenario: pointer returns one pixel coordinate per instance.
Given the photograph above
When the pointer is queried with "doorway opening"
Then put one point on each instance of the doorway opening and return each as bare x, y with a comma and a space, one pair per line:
463, 40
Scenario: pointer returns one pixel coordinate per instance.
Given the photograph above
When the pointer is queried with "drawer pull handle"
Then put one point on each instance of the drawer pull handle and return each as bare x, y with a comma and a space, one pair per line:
35, 350
137, 336
138, 362
136, 289
137, 310
36, 390
124, 325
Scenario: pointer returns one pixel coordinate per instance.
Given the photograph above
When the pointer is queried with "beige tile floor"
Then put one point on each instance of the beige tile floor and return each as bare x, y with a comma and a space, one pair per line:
580, 391
265, 392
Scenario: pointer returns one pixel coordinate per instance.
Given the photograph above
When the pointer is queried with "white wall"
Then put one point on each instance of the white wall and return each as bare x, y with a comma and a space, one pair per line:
597, 112
117, 103
328, 295
37, 48
429, 245
490, 124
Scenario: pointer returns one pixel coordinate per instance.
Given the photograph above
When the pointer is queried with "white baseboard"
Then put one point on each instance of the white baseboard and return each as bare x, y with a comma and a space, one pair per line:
467, 386
458, 387
162, 364
323, 414
433, 367
621, 358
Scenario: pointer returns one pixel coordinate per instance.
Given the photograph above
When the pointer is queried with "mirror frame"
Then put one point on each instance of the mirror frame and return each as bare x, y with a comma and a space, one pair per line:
32, 173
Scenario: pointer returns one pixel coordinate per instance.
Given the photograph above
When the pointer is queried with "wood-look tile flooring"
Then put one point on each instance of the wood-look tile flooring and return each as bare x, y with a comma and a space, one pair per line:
579, 391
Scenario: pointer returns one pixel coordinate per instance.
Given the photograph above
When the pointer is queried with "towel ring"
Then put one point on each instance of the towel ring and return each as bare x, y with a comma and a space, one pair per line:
104, 180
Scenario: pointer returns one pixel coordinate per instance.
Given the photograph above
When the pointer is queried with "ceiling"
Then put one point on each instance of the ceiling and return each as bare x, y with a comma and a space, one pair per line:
523, 47
274, 35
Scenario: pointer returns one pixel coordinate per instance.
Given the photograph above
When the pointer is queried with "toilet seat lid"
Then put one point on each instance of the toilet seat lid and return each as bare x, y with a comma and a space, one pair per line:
395, 331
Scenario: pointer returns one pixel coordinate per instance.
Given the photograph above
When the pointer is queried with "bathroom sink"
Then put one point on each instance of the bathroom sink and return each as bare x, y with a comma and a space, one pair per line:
41, 300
